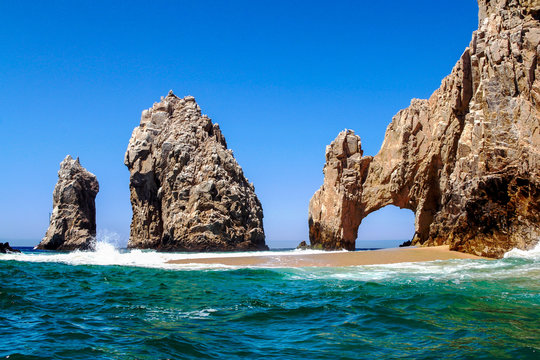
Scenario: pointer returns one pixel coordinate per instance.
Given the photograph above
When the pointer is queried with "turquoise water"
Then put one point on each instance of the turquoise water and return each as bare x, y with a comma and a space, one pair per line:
130, 305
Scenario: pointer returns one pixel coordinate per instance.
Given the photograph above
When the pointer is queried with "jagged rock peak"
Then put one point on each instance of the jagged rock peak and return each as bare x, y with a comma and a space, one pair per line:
508, 9
73, 219
466, 161
188, 193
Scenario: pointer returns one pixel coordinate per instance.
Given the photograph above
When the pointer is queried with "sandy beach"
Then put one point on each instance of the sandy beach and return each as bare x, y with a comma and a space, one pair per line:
334, 259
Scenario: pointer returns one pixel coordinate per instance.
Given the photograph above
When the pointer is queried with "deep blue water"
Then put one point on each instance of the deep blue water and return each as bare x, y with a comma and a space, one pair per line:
66, 306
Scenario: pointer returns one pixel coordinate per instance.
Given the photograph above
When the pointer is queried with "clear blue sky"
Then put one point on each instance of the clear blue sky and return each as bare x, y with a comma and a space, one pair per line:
282, 78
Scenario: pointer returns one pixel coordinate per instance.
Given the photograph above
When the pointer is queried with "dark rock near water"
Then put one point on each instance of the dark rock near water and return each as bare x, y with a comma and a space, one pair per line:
73, 219
466, 161
305, 246
406, 243
6, 249
188, 193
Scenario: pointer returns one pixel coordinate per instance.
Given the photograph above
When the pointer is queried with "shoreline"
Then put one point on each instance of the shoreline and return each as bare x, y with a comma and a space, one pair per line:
336, 259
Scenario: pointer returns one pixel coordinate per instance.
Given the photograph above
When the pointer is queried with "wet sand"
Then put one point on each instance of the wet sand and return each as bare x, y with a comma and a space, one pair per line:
335, 259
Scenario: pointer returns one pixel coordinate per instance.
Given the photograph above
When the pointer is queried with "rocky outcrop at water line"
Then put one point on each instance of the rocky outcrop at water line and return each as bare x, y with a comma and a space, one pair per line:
6, 249
466, 161
188, 193
73, 219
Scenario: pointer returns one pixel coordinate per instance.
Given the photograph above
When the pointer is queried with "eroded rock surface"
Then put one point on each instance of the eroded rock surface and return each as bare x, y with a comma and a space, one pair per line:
466, 160
73, 219
188, 193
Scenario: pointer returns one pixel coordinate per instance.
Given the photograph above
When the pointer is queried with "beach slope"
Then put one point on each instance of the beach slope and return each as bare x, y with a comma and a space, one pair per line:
335, 259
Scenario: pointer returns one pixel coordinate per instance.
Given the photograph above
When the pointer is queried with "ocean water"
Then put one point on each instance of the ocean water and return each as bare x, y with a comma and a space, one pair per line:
113, 304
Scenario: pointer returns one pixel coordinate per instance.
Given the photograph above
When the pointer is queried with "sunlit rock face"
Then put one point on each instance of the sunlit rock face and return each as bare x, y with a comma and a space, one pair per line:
73, 219
466, 160
188, 193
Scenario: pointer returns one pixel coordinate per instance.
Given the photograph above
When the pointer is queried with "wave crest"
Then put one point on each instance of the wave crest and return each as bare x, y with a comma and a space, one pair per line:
533, 254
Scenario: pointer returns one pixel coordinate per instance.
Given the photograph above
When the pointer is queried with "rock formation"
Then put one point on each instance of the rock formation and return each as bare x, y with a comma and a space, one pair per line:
466, 161
303, 245
73, 220
6, 249
188, 193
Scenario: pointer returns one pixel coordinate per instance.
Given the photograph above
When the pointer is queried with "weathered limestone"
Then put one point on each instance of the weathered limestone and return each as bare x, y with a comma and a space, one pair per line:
73, 220
188, 193
466, 160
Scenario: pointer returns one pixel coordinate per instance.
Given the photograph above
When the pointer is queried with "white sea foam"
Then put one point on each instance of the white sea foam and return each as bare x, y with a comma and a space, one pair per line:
160, 313
107, 253
455, 271
533, 254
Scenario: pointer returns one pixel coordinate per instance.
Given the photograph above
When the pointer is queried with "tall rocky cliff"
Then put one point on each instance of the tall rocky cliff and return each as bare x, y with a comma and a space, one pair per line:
73, 219
466, 161
188, 193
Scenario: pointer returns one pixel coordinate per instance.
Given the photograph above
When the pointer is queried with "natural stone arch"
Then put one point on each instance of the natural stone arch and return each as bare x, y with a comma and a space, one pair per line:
350, 193
466, 161
388, 226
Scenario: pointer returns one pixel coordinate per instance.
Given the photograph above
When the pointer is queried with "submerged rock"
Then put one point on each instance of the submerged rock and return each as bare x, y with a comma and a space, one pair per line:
188, 193
73, 219
6, 249
466, 160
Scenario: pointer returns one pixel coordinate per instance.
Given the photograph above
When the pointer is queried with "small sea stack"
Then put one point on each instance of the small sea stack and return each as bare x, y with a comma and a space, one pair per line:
188, 193
5, 248
73, 219
466, 161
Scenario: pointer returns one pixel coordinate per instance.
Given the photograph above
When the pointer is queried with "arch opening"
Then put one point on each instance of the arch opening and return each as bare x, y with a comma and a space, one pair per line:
387, 227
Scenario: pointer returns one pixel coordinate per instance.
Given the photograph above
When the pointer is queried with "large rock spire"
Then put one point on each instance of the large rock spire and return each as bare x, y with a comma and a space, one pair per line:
73, 219
188, 193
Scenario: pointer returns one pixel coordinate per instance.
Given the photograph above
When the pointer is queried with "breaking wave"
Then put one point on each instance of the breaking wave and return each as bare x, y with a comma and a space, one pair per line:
533, 254
141, 307
107, 254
